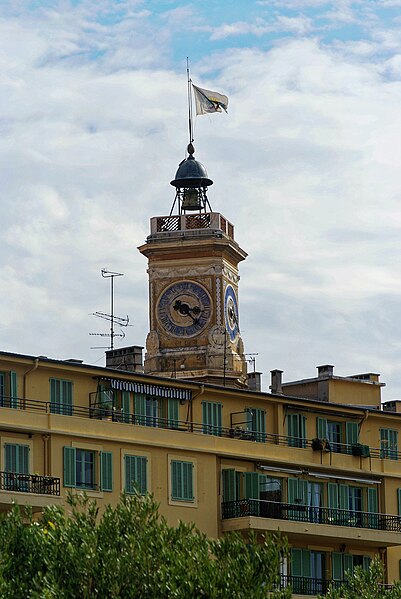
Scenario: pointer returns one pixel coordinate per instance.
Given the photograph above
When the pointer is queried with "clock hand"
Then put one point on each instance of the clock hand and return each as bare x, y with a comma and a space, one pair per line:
186, 310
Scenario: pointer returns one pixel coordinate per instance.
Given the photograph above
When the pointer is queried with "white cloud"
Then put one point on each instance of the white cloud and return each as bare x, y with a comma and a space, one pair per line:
306, 164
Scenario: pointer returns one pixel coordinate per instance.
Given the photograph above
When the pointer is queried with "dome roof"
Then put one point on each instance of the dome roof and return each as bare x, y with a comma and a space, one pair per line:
191, 173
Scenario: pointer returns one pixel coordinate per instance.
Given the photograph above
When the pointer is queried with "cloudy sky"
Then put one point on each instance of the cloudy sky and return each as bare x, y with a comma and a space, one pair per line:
306, 164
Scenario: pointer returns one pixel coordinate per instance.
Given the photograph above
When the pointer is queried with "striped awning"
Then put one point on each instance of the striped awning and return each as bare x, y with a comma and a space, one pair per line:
153, 390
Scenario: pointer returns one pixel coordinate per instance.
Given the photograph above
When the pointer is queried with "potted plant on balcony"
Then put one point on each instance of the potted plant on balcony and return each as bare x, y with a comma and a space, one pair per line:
317, 444
361, 450
321, 444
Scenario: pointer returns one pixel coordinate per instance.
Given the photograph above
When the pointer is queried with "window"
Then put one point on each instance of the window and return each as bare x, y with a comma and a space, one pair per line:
60, 397
16, 462
296, 425
211, 418
85, 469
257, 424
8, 389
334, 431
135, 467
156, 411
344, 563
346, 504
182, 481
308, 571
389, 443
82, 465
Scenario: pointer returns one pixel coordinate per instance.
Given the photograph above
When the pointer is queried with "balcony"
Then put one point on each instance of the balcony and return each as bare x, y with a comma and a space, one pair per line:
295, 520
28, 489
109, 411
207, 222
301, 585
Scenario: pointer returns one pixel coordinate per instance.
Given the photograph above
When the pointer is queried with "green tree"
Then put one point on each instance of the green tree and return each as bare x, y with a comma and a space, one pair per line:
127, 552
366, 584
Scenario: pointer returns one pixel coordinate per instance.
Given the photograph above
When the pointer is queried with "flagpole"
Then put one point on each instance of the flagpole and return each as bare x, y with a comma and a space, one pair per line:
189, 82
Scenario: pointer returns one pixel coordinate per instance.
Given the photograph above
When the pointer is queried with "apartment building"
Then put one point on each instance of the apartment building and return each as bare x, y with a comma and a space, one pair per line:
323, 470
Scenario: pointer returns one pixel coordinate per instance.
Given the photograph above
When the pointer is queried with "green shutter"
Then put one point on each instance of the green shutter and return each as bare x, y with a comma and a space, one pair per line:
172, 413
205, 418
69, 467
54, 394
303, 430
187, 480
292, 489
306, 563
176, 479
373, 502
296, 425
23, 459
332, 494
337, 566
106, 471
393, 443
16, 458
129, 466
321, 428
344, 494
10, 457
229, 485
296, 562
140, 408
218, 408
258, 426
292, 429
125, 405
293, 496
251, 484
135, 474
211, 418
66, 398
348, 565
303, 491
373, 508
182, 480
13, 390
366, 562
60, 397
351, 434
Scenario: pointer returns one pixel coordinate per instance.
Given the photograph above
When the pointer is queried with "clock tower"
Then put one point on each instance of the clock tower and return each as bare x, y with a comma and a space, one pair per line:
193, 287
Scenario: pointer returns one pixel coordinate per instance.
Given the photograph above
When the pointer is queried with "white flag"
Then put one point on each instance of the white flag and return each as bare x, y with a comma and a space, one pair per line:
207, 101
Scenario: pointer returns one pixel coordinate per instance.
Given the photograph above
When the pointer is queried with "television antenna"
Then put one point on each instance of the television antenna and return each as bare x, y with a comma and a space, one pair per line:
112, 318
252, 360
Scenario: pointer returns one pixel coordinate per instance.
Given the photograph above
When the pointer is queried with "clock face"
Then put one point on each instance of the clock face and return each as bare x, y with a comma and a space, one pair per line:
184, 309
231, 312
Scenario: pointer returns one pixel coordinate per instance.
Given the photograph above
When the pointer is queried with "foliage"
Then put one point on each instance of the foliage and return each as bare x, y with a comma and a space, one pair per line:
129, 551
366, 584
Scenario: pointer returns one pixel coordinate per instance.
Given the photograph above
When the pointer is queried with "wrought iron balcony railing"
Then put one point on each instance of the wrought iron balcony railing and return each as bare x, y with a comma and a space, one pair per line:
309, 586
304, 513
29, 483
110, 412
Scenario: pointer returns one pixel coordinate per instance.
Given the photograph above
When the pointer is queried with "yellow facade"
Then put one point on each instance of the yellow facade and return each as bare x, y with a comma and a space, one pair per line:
193, 440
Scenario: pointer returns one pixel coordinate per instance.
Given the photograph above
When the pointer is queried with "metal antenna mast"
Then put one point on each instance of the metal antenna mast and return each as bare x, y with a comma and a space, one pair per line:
120, 321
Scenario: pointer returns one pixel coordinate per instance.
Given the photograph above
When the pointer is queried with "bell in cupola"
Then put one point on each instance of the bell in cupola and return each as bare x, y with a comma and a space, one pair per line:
191, 182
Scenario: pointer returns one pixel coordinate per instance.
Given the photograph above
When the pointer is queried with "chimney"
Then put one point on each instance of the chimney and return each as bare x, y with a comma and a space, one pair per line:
276, 382
254, 381
125, 358
325, 371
